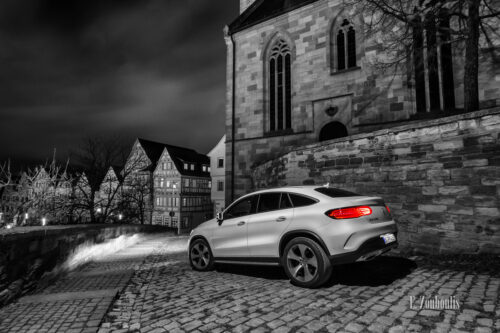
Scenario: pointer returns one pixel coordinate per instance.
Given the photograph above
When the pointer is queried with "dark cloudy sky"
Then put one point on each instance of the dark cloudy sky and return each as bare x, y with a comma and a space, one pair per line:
76, 68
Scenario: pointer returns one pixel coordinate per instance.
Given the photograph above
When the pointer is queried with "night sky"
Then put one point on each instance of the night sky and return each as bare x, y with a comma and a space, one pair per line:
71, 69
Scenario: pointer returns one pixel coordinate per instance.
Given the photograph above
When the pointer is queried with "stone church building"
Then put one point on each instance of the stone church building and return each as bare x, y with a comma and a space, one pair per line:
302, 71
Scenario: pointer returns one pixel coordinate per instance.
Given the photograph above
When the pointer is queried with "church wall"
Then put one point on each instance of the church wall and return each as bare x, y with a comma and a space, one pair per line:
361, 95
440, 178
366, 99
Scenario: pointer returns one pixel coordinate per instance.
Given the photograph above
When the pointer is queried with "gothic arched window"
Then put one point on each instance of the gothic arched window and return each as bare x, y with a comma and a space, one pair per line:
346, 46
280, 87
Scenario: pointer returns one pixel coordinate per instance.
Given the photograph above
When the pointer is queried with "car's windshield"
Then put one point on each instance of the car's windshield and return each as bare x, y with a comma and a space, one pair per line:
335, 192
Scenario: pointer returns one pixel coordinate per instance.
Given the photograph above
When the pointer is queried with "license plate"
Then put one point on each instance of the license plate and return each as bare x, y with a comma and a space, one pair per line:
388, 238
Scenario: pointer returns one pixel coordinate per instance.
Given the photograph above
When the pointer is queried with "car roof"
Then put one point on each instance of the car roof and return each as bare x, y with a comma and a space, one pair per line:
305, 189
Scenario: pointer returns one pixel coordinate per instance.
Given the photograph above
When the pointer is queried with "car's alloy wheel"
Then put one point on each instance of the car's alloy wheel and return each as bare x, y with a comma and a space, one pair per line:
302, 262
305, 263
200, 256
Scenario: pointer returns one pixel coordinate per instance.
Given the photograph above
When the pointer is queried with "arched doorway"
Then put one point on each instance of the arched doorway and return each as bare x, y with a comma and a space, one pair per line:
333, 130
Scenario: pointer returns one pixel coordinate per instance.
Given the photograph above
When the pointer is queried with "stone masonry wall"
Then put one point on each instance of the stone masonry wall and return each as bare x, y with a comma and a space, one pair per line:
441, 178
27, 253
365, 97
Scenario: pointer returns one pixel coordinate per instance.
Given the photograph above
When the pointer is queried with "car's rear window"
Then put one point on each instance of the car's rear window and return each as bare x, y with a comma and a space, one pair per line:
335, 192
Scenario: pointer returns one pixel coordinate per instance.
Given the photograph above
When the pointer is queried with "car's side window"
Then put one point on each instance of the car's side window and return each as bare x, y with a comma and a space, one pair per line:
301, 201
241, 208
285, 202
269, 202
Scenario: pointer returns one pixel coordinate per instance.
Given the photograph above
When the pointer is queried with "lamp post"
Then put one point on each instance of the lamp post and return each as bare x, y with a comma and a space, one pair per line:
44, 221
172, 213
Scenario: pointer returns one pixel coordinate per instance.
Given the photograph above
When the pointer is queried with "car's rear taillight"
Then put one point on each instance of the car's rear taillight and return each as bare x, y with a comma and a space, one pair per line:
349, 212
388, 210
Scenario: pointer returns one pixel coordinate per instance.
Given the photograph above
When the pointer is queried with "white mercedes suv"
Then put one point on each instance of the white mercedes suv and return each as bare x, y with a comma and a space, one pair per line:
305, 229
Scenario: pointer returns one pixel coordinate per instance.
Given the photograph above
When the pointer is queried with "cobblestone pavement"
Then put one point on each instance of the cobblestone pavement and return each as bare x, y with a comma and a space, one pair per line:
158, 292
78, 301
165, 295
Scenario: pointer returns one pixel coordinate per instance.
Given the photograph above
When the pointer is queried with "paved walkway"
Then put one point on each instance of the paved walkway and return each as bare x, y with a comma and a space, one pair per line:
162, 294
78, 301
165, 295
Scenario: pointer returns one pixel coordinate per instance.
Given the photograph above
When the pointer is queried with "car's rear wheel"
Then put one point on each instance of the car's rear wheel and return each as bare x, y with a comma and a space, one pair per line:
306, 263
200, 255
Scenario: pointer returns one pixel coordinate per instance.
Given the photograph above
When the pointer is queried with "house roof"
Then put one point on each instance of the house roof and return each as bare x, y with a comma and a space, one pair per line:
118, 172
221, 141
179, 156
263, 10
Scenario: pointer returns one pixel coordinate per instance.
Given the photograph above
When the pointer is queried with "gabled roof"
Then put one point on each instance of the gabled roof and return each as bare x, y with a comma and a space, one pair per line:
263, 10
179, 156
221, 141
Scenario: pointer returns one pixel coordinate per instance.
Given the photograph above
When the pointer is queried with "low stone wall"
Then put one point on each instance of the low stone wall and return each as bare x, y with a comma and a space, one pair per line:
27, 253
441, 178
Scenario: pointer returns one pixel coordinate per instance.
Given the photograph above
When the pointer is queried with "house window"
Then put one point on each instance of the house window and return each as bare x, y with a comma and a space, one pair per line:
204, 168
280, 106
162, 182
192, 167
346, 46
168, 183
220, 185
209, 184
186, 166
186, 182
164, 166
220, 162
184, 202
169, 165
185, 222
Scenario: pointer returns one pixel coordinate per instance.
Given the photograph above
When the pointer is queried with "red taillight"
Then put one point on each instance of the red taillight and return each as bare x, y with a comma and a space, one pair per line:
388, 209
349, 212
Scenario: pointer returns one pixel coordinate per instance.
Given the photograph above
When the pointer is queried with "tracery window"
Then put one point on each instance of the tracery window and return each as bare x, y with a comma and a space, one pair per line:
346, 46
280, 90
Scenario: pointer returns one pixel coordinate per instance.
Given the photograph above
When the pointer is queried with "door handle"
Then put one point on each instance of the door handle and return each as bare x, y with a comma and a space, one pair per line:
241, 223
281, 219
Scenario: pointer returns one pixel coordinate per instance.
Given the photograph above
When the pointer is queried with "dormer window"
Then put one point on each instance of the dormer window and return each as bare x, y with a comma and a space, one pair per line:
186, 166
192, 167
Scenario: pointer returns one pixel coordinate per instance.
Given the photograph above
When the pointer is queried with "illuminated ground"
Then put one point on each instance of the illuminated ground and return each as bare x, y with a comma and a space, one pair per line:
158, 292
78, 301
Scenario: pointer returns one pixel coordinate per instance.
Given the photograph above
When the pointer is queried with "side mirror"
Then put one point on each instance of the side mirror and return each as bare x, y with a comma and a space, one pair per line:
219, 217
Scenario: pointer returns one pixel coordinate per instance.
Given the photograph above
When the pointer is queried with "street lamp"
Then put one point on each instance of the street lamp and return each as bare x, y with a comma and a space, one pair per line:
172, 213
120, 217
44, 221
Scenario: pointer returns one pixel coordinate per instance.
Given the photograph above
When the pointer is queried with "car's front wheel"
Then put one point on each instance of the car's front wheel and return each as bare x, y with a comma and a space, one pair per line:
200, 255
306, 263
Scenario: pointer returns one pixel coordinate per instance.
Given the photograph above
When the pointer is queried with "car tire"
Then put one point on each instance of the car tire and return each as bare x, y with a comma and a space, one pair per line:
200, 256
305, 263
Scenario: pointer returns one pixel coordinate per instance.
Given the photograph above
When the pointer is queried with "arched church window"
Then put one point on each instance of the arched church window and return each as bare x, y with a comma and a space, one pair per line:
280, 87
346, 46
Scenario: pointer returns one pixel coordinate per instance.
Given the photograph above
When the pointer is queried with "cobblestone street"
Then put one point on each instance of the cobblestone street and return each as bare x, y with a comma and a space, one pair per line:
165, 295
158, 292
78, 301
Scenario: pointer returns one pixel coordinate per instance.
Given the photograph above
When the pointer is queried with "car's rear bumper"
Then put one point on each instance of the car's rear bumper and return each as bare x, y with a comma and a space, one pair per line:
371, 248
